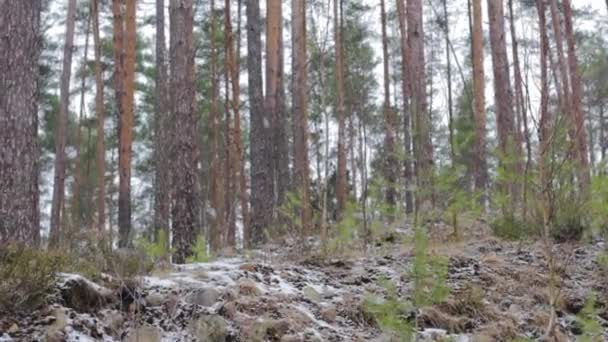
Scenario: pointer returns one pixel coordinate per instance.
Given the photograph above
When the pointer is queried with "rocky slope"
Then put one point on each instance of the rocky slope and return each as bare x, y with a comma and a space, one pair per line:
498, 291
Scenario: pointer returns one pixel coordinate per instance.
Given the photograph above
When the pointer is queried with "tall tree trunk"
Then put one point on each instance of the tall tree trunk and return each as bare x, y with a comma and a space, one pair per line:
275, 94
217, 176
124, 55
262, 189
446, 19
79, 169
503, 99
390, 163
407, 163
341, 170
19, 154
562, 66
162, 199
520, 106
300, 112
99, 112
238, 153
230, 158
480, 167
61, 129
185, 172
577, 100
423, 149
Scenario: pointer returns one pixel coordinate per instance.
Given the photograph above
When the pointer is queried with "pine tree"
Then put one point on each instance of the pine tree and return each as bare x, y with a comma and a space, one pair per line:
57, 221
19, 163
184, 216
300, 111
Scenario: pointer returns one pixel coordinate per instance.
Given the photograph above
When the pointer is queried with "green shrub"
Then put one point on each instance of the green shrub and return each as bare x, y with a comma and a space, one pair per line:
391, 313
159, 249
27, 276
588, 320
512, 228
200, 252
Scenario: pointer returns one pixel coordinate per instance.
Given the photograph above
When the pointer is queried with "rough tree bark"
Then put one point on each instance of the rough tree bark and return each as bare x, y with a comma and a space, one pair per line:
124, 76
61, 129
423, 149
503, 99
262, 189
162, 208
19, 165
184, 215
275, 93
300, 112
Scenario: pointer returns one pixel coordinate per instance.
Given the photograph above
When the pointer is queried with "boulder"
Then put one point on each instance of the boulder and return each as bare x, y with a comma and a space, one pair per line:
209, 328
205, 297
83, 295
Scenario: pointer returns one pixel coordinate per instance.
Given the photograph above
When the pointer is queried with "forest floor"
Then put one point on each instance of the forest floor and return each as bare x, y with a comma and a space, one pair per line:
498, 292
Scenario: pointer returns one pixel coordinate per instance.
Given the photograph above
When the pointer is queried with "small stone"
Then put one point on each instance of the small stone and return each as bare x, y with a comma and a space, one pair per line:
328, 314
248, 287
13, 329
145, 333
311, 294
155, 299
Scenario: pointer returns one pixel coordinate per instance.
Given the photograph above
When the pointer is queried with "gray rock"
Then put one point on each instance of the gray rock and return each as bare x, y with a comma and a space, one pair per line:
311, 294
209, 328
204, 297
155, 299
144, 334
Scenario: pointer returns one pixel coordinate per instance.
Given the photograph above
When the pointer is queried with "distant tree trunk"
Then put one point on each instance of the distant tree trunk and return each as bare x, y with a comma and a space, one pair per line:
407, 163
238, 153
520, 106
480, 167
185, 180
275, 94
423, 149
61, 129
390, 163
79, 168
603, 144
300, 112
562, 66
99, 111
162, 210
545, 120
262, 189
577, 100
19, 153
503, 98
217, 187
446, 20
341, 170
231, 158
